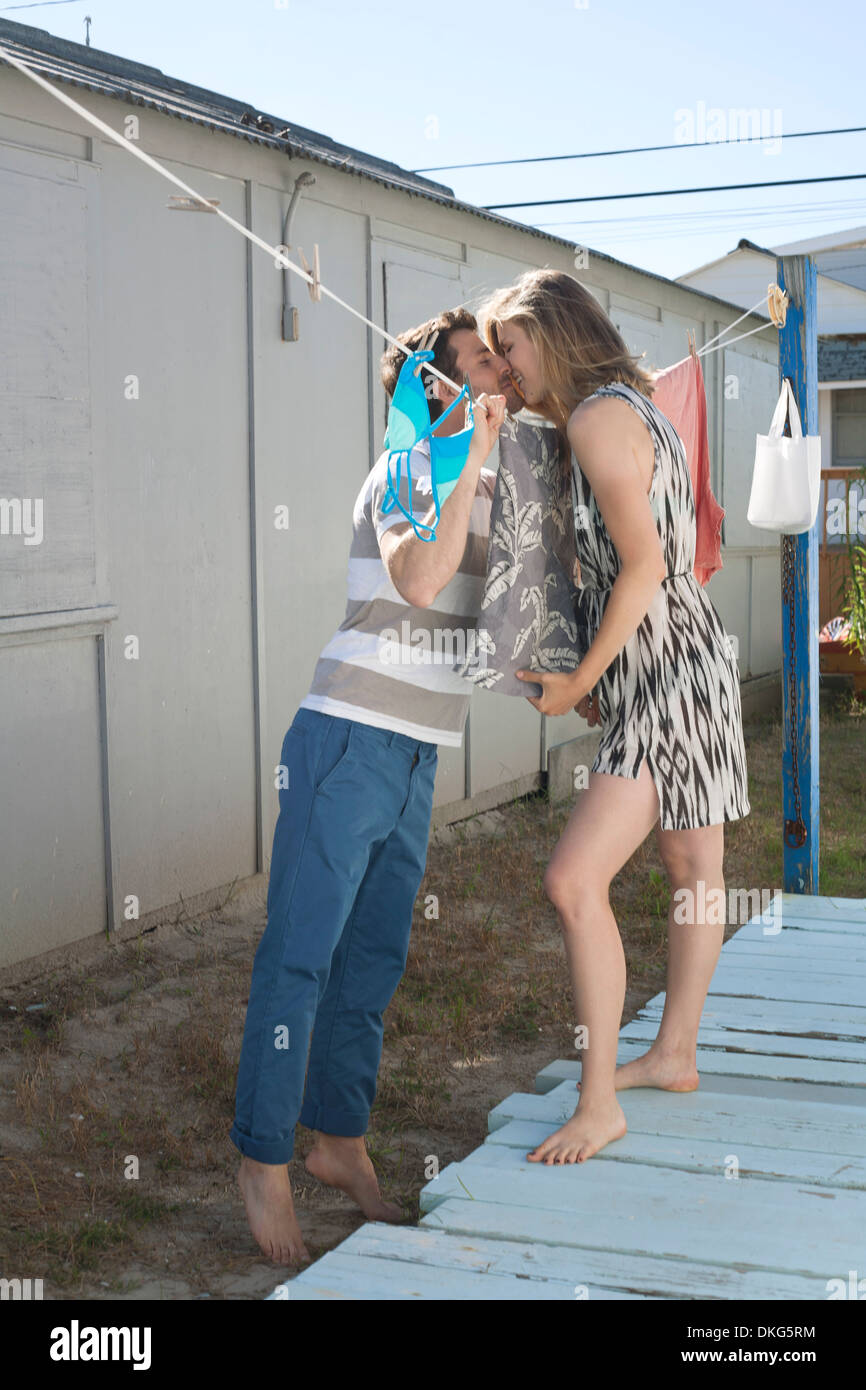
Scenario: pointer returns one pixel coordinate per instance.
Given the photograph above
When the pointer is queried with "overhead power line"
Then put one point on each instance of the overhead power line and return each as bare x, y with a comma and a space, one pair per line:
39, 5
639, 149
669, 192
705, 222
715, 217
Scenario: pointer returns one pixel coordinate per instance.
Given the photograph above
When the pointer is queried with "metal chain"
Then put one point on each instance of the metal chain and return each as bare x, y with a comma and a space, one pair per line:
795, 830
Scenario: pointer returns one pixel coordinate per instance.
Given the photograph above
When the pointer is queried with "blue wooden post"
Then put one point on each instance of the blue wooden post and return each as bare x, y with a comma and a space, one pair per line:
798, 360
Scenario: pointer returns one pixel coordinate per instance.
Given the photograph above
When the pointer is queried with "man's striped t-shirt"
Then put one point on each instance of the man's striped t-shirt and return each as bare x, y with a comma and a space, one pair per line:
389, 663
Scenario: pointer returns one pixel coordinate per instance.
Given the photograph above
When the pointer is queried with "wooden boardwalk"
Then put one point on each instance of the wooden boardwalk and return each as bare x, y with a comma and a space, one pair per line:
662, 1213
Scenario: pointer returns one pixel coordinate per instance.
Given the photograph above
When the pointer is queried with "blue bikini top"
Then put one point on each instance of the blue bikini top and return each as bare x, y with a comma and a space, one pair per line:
408, 424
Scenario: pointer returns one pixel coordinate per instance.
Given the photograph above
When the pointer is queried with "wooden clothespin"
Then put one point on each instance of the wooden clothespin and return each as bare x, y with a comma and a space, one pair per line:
691, 341
181, 203
423, 347
315, 288
777, 305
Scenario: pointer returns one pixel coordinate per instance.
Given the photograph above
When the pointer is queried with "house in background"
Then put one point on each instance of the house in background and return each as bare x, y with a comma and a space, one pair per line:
154, 393
840, 260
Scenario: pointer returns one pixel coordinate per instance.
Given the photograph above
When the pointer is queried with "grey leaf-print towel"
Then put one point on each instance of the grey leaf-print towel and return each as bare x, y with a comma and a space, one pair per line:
531, 614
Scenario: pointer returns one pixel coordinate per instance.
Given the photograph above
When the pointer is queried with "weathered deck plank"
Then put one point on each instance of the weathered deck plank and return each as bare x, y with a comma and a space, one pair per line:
368, 1277
627, 1268
652, 1211
760, 982
809, 907
769, 1044
773, 1016
832, 946
836, 1129
583, 1273
705, 1155
754, 955
765, 1066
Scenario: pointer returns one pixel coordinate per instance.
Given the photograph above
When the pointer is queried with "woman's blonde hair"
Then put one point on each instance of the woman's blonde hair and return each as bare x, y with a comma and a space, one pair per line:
579, 349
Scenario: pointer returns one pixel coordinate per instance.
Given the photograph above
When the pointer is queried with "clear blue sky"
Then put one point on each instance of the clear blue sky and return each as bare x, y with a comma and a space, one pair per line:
424, 85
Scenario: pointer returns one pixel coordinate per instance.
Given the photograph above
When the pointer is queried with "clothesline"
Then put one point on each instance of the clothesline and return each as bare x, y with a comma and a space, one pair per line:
280, 258
779, 301
762, 300
705, 351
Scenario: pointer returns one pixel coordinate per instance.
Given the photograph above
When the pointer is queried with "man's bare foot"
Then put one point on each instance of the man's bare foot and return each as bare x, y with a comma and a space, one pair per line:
267, 1197
666, 1071
343, 1162
591, 1127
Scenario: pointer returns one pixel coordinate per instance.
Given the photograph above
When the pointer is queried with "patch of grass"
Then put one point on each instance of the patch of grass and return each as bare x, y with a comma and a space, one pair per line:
520, 1020
654, 898
412, 1093
199, 1061
67, 1251
136, 1207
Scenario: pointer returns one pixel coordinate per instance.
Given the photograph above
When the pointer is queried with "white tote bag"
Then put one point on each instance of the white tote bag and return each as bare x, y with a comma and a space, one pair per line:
786, 483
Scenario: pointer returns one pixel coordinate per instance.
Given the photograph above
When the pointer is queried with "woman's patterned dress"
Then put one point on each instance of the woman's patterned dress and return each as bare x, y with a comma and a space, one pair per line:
672, 694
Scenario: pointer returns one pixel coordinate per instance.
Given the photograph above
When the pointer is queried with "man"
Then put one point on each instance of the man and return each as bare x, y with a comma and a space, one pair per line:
350, 844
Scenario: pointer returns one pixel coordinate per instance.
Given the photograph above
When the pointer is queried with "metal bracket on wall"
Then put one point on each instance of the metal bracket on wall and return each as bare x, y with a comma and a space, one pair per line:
290, 327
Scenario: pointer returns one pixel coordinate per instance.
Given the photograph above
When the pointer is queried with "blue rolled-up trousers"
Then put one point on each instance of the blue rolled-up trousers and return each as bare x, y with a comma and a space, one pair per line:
349, 853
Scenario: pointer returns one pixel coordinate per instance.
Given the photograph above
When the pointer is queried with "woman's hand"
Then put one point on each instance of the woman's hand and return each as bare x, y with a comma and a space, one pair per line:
588, 709
488, 422
561, 690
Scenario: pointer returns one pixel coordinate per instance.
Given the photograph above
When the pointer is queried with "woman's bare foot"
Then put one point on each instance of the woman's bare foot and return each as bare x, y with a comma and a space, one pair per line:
343, 1162
267, 1197
591, 1127
665, 1070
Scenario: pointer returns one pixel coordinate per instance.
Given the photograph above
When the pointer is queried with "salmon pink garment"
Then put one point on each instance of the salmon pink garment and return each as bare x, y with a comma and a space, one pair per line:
681, 396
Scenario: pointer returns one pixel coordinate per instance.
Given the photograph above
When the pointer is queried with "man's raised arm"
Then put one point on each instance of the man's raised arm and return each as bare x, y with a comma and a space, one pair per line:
419, 570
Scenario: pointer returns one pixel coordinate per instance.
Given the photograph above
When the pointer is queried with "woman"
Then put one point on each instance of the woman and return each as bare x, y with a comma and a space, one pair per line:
667, 685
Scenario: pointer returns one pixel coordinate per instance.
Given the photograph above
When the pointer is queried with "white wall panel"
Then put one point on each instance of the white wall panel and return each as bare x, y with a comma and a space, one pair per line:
52, 866
46, 462
177, 501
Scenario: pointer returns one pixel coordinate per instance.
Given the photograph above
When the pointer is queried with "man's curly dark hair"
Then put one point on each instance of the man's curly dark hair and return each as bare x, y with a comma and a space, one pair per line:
444, 356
